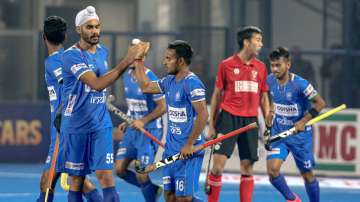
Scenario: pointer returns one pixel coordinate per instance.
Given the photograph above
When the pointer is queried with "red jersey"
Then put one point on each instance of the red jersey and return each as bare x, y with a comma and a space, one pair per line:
242, 84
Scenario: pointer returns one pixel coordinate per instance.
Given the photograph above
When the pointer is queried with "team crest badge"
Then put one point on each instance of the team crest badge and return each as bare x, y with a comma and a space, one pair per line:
236, 71
254, 74
177, 96
288, 95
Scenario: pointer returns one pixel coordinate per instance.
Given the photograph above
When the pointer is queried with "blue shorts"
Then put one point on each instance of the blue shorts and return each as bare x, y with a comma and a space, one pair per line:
51, 148
85, 152
182, 176
300, 145
136, 145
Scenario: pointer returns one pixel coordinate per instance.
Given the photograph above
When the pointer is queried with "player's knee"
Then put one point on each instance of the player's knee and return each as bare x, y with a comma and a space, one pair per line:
246, 168
105, 178
120, 172
43, 181
88, 186
217, 170
142, 178
273, 172
308, 176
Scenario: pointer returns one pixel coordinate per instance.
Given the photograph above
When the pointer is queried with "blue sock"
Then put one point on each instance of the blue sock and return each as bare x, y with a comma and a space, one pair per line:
93, 196
196, 199
148, 190
130, 177
42, 197
280, 184
110, 195
75, 196
313, 191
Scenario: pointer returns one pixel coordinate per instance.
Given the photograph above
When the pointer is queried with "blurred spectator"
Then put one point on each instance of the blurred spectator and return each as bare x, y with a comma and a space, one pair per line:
199, 68
331, 74
302, 67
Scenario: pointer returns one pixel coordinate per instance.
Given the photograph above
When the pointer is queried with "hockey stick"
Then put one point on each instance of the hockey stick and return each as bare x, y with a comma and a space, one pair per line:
175, 157
207, 186
52, 167
128, 120
292, 130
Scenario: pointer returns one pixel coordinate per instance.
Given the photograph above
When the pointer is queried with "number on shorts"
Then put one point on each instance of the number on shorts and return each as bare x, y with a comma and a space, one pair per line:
180, 185
109, 158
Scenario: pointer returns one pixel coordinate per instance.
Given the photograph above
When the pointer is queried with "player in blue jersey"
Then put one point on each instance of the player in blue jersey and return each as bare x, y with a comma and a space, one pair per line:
294, 103
86, 123
54, 36
187, 115
146, 110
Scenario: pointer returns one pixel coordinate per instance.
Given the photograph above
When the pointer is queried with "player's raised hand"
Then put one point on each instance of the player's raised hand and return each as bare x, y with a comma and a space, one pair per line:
137, 51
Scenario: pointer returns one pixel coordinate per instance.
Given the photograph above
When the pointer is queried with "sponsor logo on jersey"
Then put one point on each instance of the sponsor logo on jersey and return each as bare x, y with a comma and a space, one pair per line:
75, 68
177, 96
197, 92
52, 93
70, 105
273, 151
121, 151
177, 115
166, 180
236, 71
74, 166
284, 121
286, 110
136, 105
98, 99
246, 86
57, 72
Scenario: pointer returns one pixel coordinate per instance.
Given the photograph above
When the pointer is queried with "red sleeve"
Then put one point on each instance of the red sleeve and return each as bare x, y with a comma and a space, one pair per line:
264, 86
219, 83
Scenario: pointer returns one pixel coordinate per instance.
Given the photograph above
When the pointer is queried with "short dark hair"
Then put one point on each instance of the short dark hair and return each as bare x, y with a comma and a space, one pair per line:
55, 29
182, 50
279, 52
246, 33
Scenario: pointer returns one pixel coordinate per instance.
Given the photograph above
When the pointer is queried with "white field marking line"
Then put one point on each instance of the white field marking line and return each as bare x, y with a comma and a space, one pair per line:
293, 181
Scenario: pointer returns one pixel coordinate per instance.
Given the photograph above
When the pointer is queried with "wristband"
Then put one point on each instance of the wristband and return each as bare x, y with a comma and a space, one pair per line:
313, 112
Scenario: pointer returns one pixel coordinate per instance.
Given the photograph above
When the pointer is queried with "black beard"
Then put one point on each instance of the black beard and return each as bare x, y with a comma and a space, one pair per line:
89, 41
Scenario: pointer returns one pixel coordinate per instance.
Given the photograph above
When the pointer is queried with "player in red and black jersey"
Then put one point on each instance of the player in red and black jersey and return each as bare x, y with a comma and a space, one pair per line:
240, 89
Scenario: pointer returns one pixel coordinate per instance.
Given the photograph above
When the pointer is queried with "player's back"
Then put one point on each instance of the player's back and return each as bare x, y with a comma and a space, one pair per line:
140, 104
84, 108
291, 101
181, 115
53, 79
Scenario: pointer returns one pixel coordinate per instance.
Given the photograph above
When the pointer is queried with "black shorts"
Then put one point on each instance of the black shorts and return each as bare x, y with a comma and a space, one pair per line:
247, 142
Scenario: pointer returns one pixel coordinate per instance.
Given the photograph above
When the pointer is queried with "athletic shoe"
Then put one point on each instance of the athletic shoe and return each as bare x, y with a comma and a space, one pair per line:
297, 199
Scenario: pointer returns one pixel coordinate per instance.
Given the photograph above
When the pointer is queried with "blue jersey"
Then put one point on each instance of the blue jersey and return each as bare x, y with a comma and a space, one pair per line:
180, 112
84, 108
139, 104
291, 101
53, 77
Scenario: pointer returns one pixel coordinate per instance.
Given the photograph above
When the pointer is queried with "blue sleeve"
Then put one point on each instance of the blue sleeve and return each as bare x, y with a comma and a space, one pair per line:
54, 69
163, 83
153, 77
307, 90
74, 63
195, 89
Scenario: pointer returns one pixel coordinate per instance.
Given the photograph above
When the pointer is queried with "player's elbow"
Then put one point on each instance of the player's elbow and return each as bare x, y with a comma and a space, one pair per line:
96, 86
